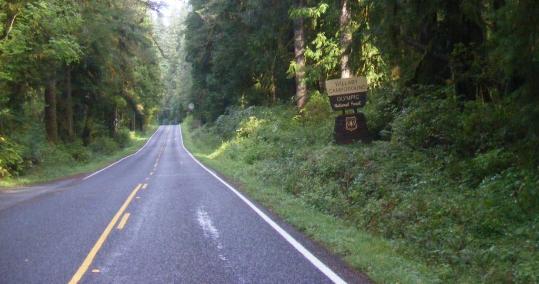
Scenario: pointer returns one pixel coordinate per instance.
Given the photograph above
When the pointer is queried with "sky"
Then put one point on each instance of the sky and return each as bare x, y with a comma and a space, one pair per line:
173, 6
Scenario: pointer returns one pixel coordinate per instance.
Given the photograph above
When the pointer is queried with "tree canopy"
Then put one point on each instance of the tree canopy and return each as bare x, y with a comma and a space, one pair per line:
478, 59
74, 71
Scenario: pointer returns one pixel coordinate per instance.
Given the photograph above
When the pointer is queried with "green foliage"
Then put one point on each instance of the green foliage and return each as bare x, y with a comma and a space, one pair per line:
122, 137
317, 109
56, 155
78, 152
428, 119
11, 161
82, 69
240, 60
104, 145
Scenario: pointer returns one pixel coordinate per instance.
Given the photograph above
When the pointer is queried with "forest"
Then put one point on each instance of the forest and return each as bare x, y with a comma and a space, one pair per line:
75, 77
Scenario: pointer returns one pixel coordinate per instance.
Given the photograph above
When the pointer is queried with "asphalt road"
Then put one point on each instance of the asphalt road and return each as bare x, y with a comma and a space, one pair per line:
157, 216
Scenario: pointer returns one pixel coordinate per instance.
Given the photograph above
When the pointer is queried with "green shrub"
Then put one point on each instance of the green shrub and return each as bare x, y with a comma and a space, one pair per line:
103, 145
225, 126
123, 137
11, 161
317, 110
382, 106
431, 118
78, 152
56, 155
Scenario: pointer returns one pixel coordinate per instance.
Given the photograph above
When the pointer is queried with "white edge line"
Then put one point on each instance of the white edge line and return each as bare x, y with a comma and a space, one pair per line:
99, 171
297, 245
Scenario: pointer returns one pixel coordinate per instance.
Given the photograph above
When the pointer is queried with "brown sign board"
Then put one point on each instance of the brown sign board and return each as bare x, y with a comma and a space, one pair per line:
348, 93
348, 101
350, 128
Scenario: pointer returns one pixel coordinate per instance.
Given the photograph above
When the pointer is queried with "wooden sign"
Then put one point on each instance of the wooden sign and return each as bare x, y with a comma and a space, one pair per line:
350, 128
349, 93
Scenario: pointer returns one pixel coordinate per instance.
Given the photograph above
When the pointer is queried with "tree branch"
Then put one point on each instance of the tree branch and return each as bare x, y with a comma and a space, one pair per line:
158, 47
10, 26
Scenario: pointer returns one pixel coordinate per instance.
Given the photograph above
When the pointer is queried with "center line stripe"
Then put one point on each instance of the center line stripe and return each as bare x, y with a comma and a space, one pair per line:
95, 249
122, 223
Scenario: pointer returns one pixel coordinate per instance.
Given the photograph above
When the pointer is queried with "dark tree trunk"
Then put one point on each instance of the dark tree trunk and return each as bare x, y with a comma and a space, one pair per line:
87, 130
134, 121
273, 84
69, 105
51, 121
299, 52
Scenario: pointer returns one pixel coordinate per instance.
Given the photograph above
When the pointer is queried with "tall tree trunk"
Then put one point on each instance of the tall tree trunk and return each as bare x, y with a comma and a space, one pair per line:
273, 85
87, 130
299, 52
116, 120
51, 122
69, 105
134, 121
346, 39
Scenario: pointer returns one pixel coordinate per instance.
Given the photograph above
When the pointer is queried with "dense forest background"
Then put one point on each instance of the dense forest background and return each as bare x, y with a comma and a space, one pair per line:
75, 77
248, 52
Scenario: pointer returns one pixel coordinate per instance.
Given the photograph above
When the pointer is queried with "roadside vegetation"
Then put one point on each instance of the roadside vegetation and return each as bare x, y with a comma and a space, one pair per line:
59, 161
77, 80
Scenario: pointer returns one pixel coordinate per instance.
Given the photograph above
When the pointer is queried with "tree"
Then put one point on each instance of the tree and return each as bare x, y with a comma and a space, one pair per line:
346, 38
299, 52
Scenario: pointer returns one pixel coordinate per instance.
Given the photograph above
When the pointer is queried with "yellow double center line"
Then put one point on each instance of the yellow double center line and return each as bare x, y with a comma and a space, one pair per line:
95, 249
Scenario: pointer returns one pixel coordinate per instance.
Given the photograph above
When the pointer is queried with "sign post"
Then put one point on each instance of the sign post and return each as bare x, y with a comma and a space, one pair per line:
344, 94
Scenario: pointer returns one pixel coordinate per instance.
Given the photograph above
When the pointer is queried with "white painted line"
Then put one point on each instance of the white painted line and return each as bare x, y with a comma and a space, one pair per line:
99, 171
297, 245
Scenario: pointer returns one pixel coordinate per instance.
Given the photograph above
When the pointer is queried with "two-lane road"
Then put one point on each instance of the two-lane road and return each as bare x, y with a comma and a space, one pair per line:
157, 216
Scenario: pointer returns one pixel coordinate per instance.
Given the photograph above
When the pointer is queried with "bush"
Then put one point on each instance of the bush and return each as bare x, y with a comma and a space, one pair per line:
431, 118
104, 145
11, 161
123, 137
56, 155
78, 152
225, 126
382, 107
317, 110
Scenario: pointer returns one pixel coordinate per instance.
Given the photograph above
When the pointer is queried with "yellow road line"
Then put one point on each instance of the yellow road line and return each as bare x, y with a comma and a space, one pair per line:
97, 246
122, 223
144, 186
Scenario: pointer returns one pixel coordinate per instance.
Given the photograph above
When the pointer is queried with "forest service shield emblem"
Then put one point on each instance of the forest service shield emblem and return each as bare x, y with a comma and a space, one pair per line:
351, 123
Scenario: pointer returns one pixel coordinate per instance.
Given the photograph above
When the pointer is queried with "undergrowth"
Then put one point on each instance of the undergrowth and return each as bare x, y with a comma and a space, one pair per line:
28, 158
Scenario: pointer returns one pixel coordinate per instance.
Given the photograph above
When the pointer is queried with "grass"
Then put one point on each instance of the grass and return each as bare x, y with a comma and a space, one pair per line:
55, 171
373, 255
